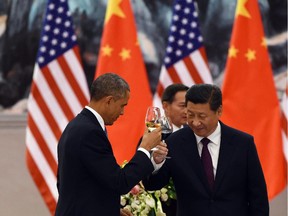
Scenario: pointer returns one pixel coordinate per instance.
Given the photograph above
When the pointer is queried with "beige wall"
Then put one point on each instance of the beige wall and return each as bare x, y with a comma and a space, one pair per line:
18, 194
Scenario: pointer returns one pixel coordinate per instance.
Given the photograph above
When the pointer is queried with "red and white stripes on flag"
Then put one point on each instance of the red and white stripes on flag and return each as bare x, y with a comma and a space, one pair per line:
54, 100
59, 91
185, 60
191, 70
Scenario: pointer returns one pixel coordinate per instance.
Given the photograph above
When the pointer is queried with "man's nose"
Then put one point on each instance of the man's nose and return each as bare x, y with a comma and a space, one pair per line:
196, 122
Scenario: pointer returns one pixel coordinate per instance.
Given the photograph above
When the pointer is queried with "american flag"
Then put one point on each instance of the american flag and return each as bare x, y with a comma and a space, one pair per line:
59, 91
185, 60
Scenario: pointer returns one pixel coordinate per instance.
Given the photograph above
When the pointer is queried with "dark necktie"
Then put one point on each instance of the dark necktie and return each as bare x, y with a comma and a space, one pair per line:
207, 162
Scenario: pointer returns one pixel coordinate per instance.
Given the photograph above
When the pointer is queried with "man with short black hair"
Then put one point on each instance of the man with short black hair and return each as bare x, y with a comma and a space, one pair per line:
215, 168
173, 103
89, 180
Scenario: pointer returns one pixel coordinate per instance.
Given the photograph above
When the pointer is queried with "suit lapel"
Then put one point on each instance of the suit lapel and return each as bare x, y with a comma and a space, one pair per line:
93, 118
226, 154
196, 163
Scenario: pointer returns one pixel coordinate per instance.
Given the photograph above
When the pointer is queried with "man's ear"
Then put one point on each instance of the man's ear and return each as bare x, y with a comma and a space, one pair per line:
220, 110
108, 99
164, 105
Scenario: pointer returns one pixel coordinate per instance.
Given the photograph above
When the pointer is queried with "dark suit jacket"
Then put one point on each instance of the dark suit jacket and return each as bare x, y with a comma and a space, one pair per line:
89, 179
239, 188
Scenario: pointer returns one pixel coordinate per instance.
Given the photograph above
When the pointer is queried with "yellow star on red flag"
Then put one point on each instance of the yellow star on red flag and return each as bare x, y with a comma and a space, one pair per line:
114, 9
241, 9
233, 52
107, 50
250, 55
264, 42
125, 54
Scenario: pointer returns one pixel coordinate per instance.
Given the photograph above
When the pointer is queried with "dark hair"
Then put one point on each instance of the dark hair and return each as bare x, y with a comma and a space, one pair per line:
205, 93
170, 92
109, 84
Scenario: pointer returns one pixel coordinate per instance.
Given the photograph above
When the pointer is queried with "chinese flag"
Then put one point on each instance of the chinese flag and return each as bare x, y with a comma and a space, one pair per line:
249, 96
120, 53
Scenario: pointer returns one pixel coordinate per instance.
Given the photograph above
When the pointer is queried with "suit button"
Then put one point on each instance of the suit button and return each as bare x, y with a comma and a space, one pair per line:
211, 200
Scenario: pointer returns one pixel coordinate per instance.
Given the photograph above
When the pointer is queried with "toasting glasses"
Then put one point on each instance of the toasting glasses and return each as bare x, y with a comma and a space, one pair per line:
154, 120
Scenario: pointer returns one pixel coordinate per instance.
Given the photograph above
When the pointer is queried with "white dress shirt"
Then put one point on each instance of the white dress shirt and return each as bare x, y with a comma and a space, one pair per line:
175, 128
98, 116
213, 146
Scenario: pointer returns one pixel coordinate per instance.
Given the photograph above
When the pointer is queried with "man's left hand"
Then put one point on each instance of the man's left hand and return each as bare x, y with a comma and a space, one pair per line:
160, 153
125, 212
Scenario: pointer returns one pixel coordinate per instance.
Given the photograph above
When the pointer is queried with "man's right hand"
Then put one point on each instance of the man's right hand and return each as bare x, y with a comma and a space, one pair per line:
160, 153
151, 139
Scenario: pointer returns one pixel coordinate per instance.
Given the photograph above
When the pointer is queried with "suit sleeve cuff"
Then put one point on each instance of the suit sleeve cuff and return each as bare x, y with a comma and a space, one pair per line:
144, 151
156, 166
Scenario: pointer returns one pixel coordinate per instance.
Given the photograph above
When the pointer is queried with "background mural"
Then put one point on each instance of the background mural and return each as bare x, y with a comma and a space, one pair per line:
20, 26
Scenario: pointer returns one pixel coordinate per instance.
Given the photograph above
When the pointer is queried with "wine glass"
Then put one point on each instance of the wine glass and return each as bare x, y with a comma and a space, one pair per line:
166, 127
153, 115
166, 130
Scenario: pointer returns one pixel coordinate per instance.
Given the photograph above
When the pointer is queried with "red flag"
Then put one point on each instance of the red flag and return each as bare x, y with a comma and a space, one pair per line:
185, 60
120, 53
59, 91
284, 117
249, 95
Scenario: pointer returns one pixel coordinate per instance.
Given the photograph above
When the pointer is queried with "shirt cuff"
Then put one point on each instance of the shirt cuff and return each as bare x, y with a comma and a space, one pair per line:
156, 166
145, 151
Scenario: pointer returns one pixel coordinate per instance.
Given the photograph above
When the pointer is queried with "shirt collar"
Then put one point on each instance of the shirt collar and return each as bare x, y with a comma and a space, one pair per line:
175, 128
98, 117
214, 137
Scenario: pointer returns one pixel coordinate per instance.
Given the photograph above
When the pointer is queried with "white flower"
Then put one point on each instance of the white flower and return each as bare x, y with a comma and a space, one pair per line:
150, 201
143, 203
164, 190
164, 197
145, 211
123, 201
160, 214
135, 204
128, 207
157, 193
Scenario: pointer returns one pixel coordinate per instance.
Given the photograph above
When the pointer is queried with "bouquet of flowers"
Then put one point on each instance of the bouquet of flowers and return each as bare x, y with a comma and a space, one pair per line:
141, 202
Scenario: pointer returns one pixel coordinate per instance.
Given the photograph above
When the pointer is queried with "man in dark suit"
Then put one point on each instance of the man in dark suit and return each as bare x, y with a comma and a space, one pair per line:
220, 177
173, 104
89, 179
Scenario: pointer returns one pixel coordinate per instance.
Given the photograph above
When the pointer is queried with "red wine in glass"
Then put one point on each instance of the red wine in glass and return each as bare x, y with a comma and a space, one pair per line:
166, 127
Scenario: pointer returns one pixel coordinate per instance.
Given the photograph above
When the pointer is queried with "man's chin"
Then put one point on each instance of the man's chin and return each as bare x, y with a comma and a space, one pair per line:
199, 132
